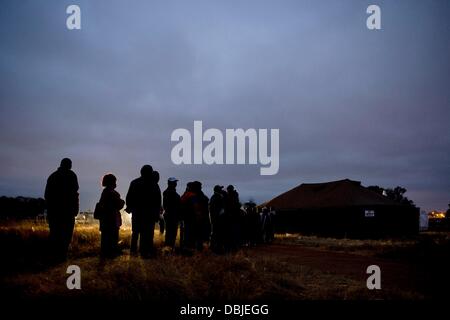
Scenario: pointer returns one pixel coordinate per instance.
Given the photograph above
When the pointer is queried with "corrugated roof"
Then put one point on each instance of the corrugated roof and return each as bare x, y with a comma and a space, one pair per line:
341, 193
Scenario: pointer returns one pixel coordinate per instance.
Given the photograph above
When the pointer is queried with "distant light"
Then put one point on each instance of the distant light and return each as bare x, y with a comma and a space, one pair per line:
436, 215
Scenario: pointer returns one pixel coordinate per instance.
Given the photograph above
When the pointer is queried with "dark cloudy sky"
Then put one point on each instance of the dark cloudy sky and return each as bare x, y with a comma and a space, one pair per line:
372, 106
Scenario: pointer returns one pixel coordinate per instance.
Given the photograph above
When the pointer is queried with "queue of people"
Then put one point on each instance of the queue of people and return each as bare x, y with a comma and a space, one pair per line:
221, 223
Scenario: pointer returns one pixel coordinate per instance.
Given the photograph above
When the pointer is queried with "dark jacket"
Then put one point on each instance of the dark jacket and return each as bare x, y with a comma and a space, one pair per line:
171, 204
232, 204
61, 194
202, 215
188, 200
111, 204
216, 206
144, 199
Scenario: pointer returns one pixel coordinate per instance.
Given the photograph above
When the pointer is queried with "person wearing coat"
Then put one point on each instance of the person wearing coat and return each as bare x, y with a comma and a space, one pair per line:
217, 218
144, 203
202, 222
188, 203
61, 196
172, 214
110, 217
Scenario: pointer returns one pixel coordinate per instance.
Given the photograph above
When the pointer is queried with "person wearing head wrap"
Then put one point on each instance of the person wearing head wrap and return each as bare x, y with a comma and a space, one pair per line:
110, 217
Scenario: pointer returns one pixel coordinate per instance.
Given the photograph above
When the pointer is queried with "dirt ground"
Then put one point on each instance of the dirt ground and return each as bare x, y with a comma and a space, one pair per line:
394, 275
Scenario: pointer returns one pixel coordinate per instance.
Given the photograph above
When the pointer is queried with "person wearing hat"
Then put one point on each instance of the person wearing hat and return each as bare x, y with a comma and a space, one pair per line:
172, 207
217, 218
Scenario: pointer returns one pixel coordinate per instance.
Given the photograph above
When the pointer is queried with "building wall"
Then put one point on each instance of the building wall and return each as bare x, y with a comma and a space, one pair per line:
360, 222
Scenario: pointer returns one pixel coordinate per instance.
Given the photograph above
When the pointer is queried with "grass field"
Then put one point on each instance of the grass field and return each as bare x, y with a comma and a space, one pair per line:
250, 274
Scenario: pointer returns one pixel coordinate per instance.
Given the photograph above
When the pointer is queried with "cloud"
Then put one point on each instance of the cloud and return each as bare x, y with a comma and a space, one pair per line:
371, 106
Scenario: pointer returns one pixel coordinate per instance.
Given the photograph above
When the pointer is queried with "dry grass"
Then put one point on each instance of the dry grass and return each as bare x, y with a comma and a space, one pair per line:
169, 277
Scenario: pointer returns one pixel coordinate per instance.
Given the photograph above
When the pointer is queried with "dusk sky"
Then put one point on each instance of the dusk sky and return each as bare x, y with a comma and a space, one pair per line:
368, 105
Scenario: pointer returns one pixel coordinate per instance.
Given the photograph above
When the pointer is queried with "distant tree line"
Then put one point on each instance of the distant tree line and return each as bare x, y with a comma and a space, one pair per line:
21, 207
397, 194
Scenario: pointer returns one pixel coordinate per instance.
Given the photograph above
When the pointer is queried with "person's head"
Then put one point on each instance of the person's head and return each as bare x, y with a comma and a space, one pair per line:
197, 186
109, 181
230, 188
172, 182
155, 176
146, 171
66, 164
218, 189
190, 186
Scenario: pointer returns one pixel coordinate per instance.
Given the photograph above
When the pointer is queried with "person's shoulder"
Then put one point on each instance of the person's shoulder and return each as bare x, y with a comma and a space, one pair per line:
110, 193
115, 193
104, 194
135, 181
72, 173
53, 175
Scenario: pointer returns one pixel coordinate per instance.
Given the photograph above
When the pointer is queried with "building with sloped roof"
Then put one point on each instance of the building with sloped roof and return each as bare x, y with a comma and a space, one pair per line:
342, 208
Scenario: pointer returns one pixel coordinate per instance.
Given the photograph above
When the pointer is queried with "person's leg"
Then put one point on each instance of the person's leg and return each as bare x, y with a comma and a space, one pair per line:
151, 233
134, 241
134, 235
143, 240
162, 226
182, 235
197, 234
107, 245
168, 235
146, 239
66, 236
186, 234
171, 233
174, 232
58, 240
103, 242
52, 238
217, 244
189, 240
115, 241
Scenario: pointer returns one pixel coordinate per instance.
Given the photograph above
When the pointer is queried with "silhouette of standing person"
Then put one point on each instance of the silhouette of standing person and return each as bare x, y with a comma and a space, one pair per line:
144, 202
171, 204
267, 225
110, 219
253, 224
161, 222
188, 200
233, 212
61, 195
201, 209
217, 218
